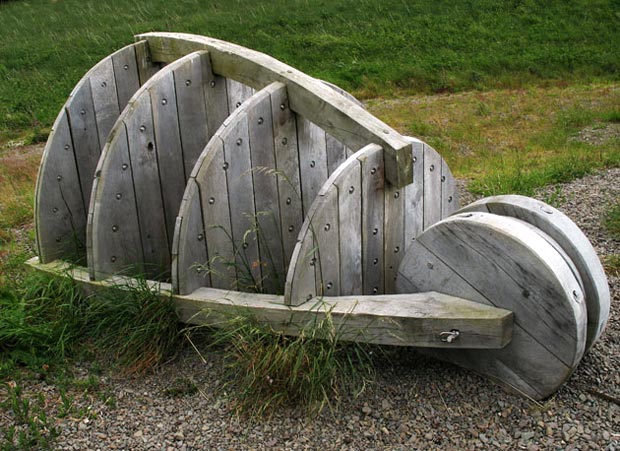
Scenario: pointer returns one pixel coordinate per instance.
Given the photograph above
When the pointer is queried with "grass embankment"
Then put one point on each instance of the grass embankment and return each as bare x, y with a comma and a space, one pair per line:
372, 47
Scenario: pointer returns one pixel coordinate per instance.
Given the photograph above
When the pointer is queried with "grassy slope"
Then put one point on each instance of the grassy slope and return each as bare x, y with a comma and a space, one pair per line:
370, 46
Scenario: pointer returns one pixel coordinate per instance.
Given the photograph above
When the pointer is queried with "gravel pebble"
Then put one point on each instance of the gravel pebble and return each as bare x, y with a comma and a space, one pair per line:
416, 402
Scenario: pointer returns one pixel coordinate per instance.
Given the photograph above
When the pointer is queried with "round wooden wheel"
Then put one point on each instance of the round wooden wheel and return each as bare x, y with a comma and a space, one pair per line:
505, 262
573, 242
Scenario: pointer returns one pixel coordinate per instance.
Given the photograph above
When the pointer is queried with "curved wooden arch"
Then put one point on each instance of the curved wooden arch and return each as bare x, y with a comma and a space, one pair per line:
503, 262
346, 121
359, 226
571, 240
72, 151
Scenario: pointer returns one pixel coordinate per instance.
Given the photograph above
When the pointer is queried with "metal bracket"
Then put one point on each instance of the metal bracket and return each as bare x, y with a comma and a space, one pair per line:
449, 337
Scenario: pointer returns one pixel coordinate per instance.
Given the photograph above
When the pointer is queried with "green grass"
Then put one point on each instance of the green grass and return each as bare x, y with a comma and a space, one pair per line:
269, 370
369, 46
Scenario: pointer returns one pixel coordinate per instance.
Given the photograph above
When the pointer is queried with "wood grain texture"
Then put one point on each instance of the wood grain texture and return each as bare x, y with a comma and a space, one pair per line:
571, 240
91, 110
343, 119
312, 160
402, 320
501, 262
60, 217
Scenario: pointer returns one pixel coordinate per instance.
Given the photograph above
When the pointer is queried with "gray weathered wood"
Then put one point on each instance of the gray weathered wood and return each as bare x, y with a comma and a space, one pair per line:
449, 193
350, 222
501, 262
236, 139
138, 120
338, 116
59, 210
190, 91
326, 228
414, 196
147, 67
114, 239
190, 261
432, 186
287, 166
125, 75
260, 126
237, 93
105, 100
393, 234
169, 148
403, 320
312, 160
89, 112
571, 240
373, 204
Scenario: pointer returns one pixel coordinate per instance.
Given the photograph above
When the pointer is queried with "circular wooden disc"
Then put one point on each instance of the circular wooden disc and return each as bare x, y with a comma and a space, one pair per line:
501, 261
571, 239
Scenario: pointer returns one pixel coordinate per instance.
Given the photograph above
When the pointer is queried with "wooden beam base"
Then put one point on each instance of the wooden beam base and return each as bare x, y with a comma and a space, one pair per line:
426, 320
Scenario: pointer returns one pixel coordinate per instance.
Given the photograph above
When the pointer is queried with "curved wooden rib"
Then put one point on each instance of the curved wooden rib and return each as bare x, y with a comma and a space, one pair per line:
358, 227
503, 262
345, 120
144, 167
571, 240
74, 145
244, 197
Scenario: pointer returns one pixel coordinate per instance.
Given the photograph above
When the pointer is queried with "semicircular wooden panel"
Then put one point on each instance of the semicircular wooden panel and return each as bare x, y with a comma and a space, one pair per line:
571, 240
503, 262
359, 226
143, 169
247, 196
73, 148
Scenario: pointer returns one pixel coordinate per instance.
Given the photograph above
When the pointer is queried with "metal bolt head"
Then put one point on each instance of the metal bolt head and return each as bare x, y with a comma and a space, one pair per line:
164, 101
373, 171
59, 177
312, 164
429, 265
375, 290
375, 261
375, 231
415, 159
142, 128
118, 196
282, 106
67, 146
432, 168
103, 84
212, 83
225, 165
449, 199
211, 200
327, 227
288, 201
284, 141
114, 228
188, 82
396, 195
200, 237
291, 228
329, 285
82, 111
124, 166
126, 66
113, 259
244, 245
237, 105
396, 249
260, 121
351, 189
443, 178
55, 209
239, 141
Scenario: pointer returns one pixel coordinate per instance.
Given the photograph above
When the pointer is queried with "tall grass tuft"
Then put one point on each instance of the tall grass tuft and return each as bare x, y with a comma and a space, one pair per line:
612, 221
268, 370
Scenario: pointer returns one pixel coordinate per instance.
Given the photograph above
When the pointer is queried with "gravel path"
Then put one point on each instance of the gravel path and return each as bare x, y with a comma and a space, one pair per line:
416, 402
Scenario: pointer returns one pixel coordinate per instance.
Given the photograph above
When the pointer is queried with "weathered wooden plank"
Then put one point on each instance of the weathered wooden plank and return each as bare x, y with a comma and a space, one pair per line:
86, 147
237, 93
405, 320
373, 204
287, 165
190, 92
190, 261
114, 240
414, 197
216, 98
326, 228
60, 218
125, 75
393, 234
262, 149
336, 153
105, 100
211, 178
169, 150
147, 67
432, 186
350, 221
238, 165
449, 193
300, 285
138, 120
312, 160
343, 119
502, 262
571, 240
